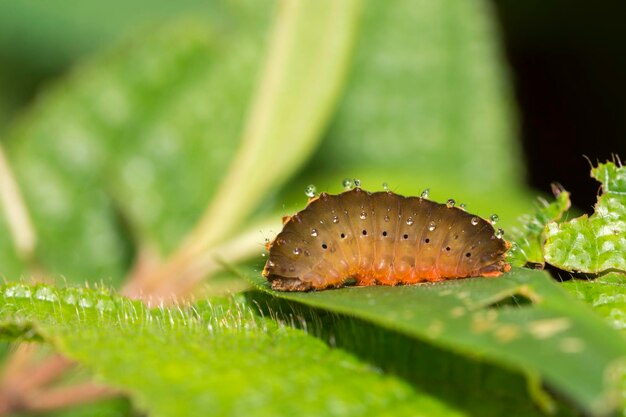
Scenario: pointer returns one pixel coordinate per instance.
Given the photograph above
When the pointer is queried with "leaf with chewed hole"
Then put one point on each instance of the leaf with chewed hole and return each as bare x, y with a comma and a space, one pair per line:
550, 337
596, 243
215, 357
529, 240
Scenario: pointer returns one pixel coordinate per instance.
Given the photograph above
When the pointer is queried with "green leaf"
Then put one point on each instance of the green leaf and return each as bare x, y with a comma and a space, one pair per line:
426, 97
214, 358
550, 337
597, 243
607, 296
529, 241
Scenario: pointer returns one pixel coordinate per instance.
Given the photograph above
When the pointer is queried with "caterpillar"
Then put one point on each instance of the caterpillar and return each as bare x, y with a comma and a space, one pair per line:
381, 238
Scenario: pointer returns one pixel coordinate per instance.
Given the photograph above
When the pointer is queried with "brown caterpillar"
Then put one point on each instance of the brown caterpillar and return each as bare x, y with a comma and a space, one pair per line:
381, 238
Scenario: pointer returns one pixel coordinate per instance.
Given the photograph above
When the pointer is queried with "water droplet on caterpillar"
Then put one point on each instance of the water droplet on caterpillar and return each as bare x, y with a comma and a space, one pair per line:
385, 186
335, 219
314, 232
499, 233
363, 215
425, 193
432, 226
462, 206
494, 218
450, 203
357, 182
474, 221
410, 221
386, 218
310, 190
297, 251
347, 183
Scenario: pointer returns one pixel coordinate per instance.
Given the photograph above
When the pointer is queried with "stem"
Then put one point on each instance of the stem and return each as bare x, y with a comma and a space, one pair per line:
185, 276
18, 220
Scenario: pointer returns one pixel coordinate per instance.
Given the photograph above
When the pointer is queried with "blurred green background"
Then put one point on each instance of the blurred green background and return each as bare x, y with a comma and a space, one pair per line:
566, 59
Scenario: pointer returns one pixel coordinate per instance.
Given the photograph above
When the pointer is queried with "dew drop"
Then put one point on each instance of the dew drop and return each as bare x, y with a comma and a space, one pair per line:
297, 251
462, 206
386, 218
499, 233
105, 305
85, 302
45, 294
347, 183
17, 291
474, 221
432, 226
385, 186
363, 215
425, 193
314, 232
410, 221
357, 183
70, 299
335, 219
271, 264
494, 218
310, 190
450, 203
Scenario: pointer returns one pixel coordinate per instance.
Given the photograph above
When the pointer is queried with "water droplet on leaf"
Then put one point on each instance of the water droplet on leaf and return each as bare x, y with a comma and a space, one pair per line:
45, 294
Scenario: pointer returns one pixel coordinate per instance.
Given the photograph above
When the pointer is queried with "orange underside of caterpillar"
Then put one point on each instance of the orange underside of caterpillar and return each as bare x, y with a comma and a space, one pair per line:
387, 275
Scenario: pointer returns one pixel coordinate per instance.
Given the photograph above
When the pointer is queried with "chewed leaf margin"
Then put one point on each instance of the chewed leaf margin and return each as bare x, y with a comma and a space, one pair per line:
597, 243
528, 241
